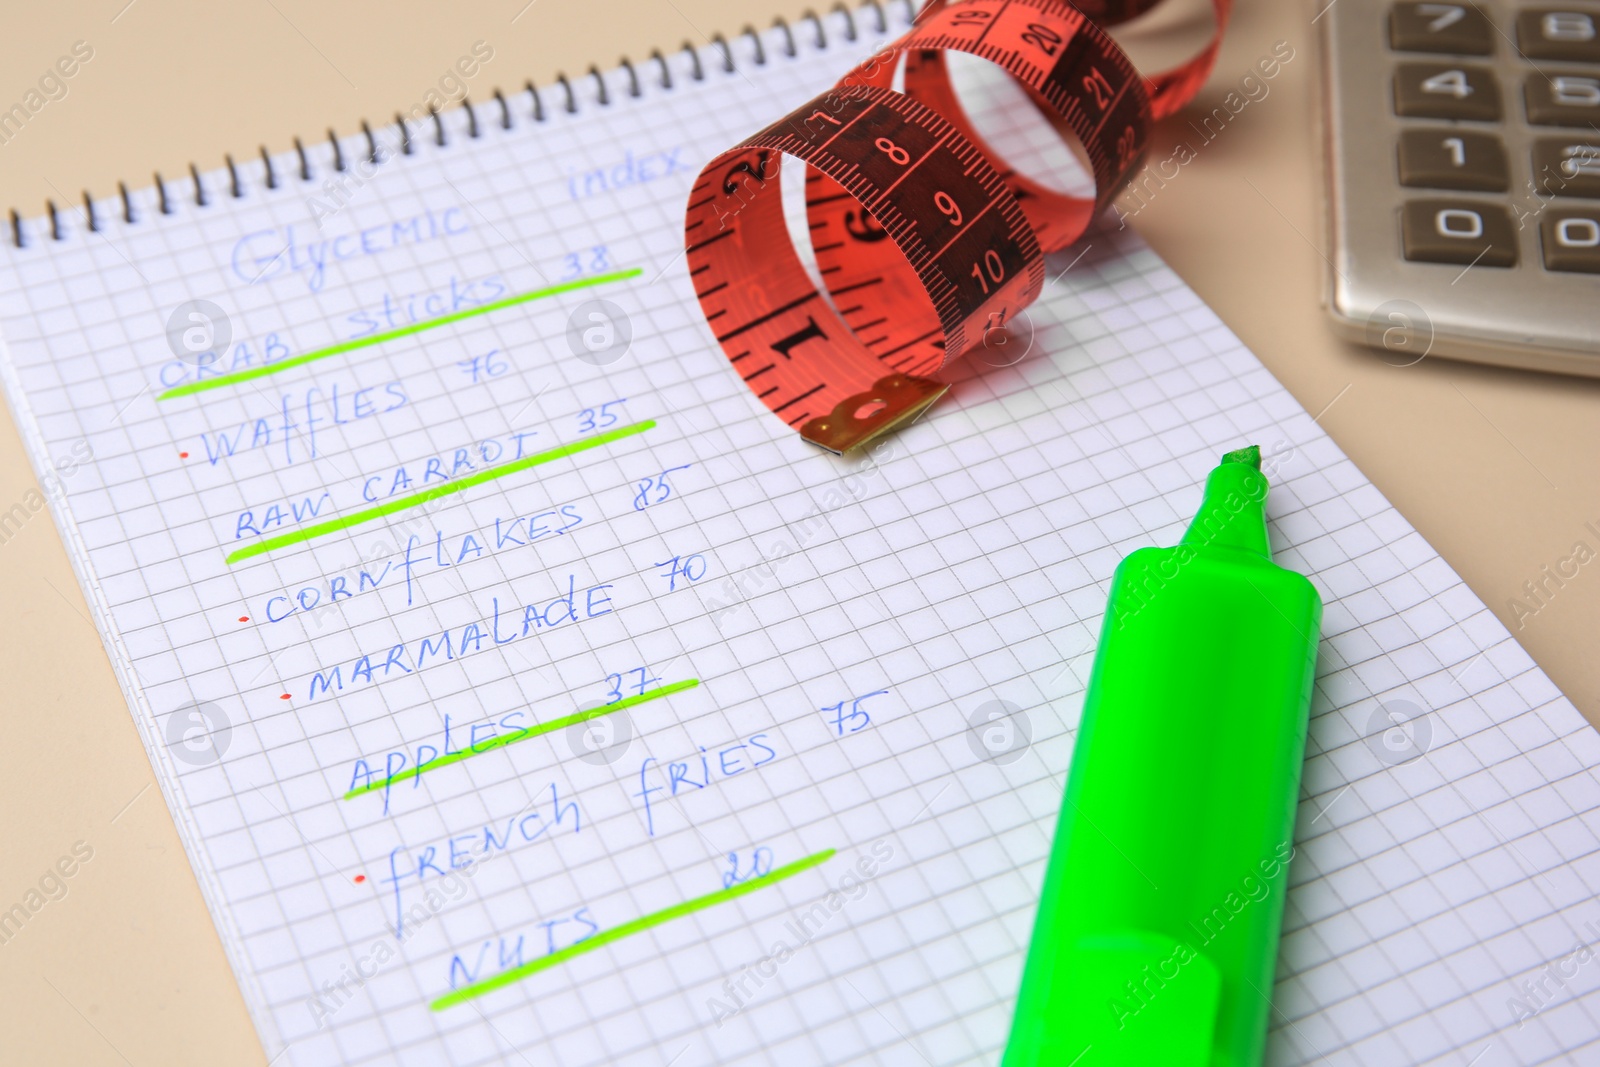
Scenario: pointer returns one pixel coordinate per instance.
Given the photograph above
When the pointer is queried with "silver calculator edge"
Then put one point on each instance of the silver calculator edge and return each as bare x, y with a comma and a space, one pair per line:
1522, 316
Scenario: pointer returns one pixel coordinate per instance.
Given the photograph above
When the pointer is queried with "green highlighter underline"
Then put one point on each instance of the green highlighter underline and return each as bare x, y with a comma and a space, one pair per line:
203, 384
628, 929
389, 507
533, 731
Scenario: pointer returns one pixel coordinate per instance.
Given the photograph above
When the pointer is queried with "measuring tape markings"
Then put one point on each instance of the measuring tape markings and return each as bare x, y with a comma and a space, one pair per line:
1052, 50
1070, 68
789, 345
923, 243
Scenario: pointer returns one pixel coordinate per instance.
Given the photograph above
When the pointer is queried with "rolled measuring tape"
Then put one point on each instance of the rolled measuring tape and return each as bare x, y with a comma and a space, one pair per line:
924, 242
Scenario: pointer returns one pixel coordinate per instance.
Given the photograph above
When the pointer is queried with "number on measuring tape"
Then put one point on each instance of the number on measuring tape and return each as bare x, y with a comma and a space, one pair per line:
893, 151
992, 270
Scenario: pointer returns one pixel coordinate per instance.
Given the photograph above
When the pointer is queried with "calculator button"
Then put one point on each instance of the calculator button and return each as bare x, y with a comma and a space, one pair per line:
1550, 33
1446, 158
1571, 241
1562, 99
1445, 91
1567, 166
1456, 28
1458, 231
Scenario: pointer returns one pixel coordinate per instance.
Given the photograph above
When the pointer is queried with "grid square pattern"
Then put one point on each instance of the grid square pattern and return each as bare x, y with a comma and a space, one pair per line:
1437, 905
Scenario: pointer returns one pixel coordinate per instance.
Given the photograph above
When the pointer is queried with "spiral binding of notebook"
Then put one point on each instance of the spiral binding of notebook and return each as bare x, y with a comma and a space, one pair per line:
504, 108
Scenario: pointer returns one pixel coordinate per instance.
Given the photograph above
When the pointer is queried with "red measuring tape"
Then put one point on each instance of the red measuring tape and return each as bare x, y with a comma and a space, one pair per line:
923, 240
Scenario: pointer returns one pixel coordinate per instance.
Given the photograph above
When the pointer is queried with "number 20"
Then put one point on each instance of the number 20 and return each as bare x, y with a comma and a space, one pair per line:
992, 266
1043, 38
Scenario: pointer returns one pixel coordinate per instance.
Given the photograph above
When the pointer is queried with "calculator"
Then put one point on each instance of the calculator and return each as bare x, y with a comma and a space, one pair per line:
1462, 159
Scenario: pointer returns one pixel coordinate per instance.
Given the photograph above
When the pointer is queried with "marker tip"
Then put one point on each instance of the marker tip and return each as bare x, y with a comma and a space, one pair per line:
1250, 454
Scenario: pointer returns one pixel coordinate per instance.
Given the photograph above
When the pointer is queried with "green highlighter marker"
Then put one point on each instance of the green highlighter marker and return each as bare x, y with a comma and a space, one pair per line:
1157, 931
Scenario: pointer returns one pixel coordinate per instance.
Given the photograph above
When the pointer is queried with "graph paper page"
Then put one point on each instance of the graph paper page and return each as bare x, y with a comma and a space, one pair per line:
362, 604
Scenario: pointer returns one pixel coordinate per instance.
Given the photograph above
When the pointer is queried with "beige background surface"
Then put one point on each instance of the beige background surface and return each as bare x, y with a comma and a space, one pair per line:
1496, 468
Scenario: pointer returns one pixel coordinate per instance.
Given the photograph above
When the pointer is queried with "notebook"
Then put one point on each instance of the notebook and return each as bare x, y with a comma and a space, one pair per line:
528, 696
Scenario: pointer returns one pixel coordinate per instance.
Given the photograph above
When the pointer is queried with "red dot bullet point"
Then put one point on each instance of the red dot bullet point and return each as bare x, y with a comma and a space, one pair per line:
360, 878
244, 618
183, 455
284, 697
